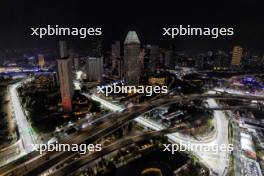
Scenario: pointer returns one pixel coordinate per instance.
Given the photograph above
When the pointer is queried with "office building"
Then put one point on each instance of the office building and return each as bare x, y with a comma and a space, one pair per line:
168, 58
142, 59
65, 78
154, 57
115, 54
236, 56
76, 63
63, 49
221, 61
94, 68
46, 81
131, 58
115, 51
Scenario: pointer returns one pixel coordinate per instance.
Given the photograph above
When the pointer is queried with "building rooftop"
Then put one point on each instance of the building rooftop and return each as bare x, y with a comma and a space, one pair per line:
63, 58
131, 38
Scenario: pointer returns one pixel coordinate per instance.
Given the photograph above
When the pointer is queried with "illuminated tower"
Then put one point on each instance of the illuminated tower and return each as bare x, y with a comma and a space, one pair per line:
236, 56
63, 49
41, 61
132, 68
94, 68
65, 77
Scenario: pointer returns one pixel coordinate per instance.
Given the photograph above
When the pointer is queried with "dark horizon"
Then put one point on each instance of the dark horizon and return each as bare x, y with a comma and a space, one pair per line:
147, 18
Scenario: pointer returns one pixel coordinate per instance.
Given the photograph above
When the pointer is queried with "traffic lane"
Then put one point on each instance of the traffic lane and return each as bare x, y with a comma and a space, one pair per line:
108, 149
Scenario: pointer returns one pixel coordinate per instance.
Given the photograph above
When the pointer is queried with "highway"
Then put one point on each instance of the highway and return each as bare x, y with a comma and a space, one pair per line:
110, 148
89, 135
237, 92
224, 108
94, 132
238, 166
217, 162
11, 153
27, 135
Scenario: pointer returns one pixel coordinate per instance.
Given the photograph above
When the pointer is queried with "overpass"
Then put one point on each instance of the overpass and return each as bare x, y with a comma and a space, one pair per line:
228, 108
41, 163
110, 148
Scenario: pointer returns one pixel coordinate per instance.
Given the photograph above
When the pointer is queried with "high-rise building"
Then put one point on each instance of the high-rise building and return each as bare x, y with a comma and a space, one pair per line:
46, 81
199, 63
131, 58
116, 49
94, 68
41, 61
154, 57
236, 56
115, 54
63, 49
168, 58
65, 77
120, 67
221, 61
142, 59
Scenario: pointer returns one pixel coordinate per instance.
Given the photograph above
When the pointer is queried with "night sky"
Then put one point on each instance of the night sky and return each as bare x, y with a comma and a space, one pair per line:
146, 17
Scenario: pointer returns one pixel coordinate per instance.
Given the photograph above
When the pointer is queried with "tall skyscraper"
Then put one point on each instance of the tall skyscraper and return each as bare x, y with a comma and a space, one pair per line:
94, 68
63, 49
236, 56
120, 67
65, 77
41, 61
154, 57
142, 59
117, 61
115, 54
131, 58
116, 49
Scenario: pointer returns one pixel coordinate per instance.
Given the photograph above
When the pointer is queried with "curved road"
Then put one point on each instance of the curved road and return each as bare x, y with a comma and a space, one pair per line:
41, 163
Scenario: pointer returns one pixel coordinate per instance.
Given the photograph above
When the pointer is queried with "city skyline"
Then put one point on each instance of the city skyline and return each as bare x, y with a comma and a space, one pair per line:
135, 88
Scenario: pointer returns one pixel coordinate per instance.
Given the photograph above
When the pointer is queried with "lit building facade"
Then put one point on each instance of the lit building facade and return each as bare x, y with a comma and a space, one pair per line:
94, 68
46, 82
132, 68
236, 56
65, 78
41, 61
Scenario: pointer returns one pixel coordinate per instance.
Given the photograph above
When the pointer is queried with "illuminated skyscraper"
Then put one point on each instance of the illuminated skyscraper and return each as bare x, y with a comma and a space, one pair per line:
115, 54
63, 49
65, 77
236, 56
131, 58
117, 61
94, 68
41, 61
